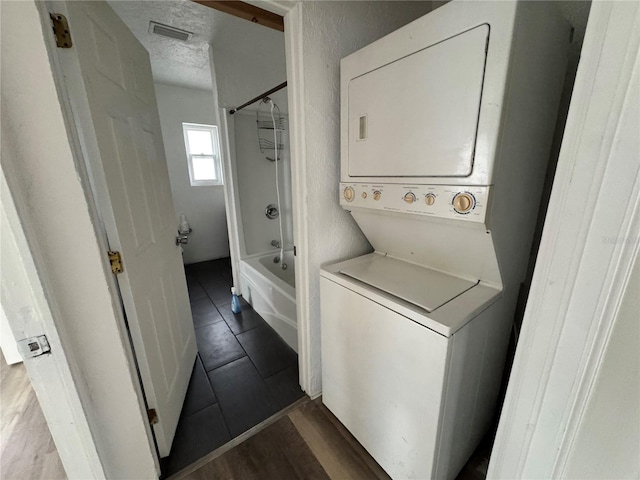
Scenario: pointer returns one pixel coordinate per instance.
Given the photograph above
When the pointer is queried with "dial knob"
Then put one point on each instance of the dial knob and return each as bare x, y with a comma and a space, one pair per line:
376, 195
463, 202
364, 194
430, 199
349, 193
409, 197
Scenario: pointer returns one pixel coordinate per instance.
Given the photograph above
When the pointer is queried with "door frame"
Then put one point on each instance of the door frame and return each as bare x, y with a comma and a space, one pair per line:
586, 254
308, 367
50, 375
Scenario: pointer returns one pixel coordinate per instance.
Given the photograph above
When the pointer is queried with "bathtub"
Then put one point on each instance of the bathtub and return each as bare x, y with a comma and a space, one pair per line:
271, 292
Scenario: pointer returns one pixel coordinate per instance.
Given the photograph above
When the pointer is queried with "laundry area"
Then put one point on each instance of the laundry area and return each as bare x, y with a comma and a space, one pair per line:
447, 126
320, 240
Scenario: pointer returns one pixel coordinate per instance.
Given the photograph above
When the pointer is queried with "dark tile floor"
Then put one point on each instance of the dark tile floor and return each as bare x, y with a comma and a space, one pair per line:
244, 372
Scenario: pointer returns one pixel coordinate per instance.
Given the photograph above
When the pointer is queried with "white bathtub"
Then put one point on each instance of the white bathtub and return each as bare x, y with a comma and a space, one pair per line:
272, 292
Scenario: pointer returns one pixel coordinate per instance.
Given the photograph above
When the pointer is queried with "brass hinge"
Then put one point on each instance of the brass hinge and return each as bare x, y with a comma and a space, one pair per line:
152, 415
116, 262
61, 30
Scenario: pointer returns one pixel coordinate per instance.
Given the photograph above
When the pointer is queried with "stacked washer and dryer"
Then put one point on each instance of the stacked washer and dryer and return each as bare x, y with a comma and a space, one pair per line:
447, 127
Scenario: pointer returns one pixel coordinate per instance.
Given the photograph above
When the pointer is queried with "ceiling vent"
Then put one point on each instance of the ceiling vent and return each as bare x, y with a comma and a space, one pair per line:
171, 32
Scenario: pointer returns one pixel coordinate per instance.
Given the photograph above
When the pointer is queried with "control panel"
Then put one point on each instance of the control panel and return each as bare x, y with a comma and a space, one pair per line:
443, 201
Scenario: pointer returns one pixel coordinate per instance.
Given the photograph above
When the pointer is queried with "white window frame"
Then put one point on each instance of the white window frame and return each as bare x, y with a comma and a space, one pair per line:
213, 129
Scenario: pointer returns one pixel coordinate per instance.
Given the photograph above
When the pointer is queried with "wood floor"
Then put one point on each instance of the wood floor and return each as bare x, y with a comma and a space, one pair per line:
306, 443
27, 450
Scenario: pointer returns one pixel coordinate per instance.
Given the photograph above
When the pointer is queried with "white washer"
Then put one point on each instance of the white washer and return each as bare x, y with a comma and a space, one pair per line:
410, 382
447, 126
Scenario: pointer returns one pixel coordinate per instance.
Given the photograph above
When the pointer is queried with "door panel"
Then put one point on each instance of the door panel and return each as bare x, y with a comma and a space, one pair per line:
115, 110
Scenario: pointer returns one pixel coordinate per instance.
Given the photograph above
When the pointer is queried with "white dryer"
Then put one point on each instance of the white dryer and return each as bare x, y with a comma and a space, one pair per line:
447, 126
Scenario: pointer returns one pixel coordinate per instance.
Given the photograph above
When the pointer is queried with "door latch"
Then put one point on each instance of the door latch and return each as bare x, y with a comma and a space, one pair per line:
33, 346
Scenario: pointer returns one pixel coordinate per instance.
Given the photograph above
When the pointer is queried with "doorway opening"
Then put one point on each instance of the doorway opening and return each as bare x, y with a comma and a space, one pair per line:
233, 227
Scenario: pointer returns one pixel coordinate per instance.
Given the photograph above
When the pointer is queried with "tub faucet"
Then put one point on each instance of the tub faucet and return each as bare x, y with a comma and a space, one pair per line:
275, 243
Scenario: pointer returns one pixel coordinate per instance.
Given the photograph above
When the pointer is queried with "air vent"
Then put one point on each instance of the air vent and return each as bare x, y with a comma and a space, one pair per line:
168, 31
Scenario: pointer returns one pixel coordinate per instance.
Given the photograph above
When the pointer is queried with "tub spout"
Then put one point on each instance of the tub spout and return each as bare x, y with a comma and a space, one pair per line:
275, 243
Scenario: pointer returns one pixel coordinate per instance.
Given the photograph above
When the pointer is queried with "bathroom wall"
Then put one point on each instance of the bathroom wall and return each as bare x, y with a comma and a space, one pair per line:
203, 205
244, 70
248, 68
257, 188
324, 231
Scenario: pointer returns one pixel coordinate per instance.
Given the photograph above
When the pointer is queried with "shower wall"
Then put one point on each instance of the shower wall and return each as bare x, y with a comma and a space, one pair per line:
256, 178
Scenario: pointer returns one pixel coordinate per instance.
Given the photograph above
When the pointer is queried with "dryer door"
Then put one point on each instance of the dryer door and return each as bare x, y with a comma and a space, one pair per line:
418, 116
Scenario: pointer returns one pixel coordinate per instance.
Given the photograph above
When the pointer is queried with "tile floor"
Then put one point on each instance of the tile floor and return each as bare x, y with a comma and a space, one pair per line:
244, 372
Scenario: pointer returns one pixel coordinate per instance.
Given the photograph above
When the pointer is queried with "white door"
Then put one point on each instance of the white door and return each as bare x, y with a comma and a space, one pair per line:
108, 76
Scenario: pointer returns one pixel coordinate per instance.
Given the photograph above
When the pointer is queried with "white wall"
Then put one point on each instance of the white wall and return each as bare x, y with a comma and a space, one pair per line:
243, 70
257, 188
203, 205
7, 341
249, 67
323, 33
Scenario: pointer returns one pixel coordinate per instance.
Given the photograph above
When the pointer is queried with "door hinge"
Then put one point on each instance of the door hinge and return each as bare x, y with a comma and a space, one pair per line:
152, 415
61, 30
33, 346
116, 262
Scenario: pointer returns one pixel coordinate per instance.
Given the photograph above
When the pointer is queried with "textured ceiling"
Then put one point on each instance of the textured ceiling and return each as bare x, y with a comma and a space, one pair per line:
187, 63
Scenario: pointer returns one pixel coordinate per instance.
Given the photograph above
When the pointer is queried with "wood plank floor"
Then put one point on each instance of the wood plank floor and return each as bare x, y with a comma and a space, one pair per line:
27, 450
306, 443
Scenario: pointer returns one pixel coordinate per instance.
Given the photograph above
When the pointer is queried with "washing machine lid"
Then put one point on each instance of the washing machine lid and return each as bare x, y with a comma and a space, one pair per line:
418, 285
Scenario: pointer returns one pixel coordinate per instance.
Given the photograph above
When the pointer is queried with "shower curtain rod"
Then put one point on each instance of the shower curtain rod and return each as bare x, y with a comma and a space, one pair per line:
259, 97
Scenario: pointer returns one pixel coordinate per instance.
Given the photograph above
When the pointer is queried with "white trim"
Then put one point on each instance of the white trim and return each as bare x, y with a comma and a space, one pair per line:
580, 277
28, 313
295, 82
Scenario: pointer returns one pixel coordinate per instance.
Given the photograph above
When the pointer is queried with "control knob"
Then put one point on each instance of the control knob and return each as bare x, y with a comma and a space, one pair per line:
463, 202
349, 194
429, 199
376, 195
409, 197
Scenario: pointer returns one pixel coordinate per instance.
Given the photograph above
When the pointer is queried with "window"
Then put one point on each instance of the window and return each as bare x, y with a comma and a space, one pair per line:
203, 154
